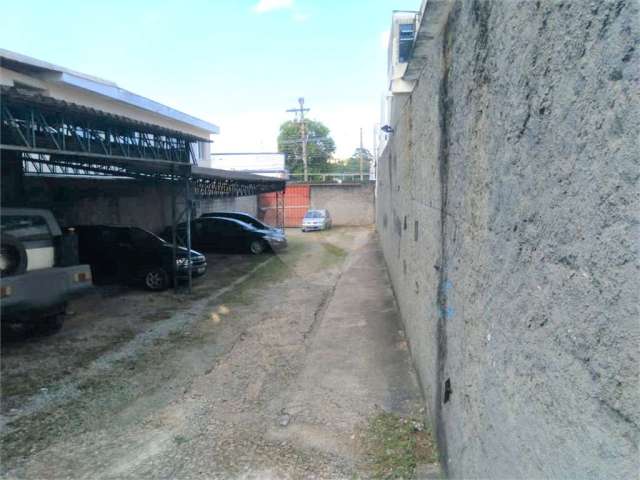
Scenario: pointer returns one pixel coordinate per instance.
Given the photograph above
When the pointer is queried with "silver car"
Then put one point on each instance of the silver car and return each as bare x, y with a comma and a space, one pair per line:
316, 220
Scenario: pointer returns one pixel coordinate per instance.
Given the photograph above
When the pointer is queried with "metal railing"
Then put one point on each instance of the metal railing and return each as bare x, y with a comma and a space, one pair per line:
332, 177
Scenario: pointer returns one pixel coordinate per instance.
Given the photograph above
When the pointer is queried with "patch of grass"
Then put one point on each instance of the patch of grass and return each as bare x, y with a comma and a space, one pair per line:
334, 250
395, 445
273, 271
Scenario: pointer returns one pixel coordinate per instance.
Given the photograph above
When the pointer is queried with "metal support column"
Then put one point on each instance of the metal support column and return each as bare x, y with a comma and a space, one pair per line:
189, 203
280, 220
174, 235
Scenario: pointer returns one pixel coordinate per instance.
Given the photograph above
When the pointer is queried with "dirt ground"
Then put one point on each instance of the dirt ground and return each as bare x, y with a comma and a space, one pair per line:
143, 385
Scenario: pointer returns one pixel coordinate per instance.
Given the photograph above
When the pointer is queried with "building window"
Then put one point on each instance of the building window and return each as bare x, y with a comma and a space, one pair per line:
407, 32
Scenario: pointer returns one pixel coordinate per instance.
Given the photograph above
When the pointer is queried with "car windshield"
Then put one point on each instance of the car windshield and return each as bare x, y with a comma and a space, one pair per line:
313, 214
25, 226
239, 224
140, 237
248, 219
262, 226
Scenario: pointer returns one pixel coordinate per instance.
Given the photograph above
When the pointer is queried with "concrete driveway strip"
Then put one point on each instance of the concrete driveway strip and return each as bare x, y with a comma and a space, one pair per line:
358, 362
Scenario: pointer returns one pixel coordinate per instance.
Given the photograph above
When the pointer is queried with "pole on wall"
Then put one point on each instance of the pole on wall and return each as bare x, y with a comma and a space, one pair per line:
361, 159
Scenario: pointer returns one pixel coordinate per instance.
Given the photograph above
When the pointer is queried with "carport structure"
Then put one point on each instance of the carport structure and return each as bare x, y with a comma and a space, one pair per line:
43, 135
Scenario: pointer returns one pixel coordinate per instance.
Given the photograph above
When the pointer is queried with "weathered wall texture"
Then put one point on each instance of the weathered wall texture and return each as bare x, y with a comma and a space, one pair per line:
508, 214
247, 204
117, 202
347, 204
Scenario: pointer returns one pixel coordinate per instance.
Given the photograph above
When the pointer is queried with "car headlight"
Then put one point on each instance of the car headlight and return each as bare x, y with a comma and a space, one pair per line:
180, 262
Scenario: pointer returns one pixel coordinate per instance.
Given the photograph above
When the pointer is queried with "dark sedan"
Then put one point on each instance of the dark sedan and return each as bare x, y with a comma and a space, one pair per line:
216, 234
126, 254
243, 217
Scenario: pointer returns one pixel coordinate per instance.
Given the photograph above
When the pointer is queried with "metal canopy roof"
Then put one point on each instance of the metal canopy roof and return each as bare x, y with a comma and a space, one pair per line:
24, 96
215, 183
62, 138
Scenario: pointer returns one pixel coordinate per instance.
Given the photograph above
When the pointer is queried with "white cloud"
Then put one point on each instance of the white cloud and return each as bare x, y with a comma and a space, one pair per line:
268, 5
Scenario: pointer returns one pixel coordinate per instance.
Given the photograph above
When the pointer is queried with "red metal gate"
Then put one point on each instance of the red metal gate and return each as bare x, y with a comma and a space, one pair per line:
296, 203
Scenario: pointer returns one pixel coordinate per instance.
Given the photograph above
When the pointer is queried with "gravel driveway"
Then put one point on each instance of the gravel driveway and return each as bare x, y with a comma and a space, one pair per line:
142, 385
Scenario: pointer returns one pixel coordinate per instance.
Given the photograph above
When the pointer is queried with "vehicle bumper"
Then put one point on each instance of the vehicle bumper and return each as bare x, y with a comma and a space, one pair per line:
43, 290
312, 227
197, 270
277, 245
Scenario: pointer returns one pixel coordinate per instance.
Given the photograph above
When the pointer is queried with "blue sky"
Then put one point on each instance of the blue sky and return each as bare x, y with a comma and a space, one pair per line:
238, 64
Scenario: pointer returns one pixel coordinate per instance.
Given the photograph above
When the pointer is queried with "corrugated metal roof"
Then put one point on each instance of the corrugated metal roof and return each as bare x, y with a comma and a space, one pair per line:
106, 88
13, 94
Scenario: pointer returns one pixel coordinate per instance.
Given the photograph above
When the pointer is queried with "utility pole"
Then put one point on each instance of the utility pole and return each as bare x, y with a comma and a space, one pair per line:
303, 135
361, 158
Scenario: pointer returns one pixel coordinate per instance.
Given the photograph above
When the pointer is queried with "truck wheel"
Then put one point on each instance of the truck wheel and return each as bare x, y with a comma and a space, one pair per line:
50, 325
13, 257
156, 279
15, 330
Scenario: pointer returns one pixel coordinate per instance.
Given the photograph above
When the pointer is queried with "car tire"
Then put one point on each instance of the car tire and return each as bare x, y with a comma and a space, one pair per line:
14, 256
50, 325
256, 247
156, 279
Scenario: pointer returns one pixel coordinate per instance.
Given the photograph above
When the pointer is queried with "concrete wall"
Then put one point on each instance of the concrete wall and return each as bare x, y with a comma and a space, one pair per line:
508, 215
348, 204
77, 201
247, 204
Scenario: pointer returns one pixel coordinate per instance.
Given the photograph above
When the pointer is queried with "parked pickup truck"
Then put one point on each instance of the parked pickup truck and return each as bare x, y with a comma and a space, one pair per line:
39, 270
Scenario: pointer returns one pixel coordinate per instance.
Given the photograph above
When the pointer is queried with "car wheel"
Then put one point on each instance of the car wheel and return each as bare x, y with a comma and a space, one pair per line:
256, 247
156, 279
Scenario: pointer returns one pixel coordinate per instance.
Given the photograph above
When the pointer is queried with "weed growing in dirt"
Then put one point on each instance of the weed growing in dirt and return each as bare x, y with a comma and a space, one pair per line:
395, 445
334, 250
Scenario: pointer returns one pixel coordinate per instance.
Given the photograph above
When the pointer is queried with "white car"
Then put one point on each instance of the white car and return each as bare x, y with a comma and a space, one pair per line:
316, 220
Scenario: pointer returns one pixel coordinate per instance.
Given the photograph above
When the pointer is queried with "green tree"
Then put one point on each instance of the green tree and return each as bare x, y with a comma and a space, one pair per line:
352, 165
320, 146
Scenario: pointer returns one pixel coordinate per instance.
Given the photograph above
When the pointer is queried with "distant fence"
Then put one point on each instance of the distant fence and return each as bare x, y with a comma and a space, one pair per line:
348, 203
332, 177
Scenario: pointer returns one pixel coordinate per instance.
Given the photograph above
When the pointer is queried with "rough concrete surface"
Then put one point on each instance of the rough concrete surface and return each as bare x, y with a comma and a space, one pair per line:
117, 202
348, 204
269, 370
508, 214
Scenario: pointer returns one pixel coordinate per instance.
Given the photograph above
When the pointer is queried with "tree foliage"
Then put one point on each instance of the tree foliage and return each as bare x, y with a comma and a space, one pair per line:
320, 146
352, 164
